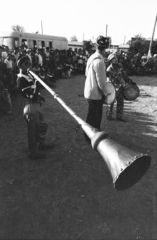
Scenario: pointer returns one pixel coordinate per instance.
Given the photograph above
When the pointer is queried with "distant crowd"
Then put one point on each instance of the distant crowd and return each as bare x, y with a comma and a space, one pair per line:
57, 62
48, 64
51, 65
137, 64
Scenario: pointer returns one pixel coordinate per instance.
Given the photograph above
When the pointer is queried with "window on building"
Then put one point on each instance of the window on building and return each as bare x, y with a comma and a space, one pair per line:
39, 44
51, 45
17, 42
34, 44
43, 44
30, 43
24, 43
10, 42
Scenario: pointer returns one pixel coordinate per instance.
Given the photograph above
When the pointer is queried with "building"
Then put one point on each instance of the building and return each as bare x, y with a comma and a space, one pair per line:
75, 45
112, 48
14, 39
121, 47
124, 47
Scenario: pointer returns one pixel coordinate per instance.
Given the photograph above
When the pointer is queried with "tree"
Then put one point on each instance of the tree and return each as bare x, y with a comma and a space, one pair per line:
73, 38
129, 42
139, 35
154, 47
18, 28
139, 45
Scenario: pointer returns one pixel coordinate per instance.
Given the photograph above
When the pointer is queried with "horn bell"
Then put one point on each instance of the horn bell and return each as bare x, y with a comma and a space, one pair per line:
126, 166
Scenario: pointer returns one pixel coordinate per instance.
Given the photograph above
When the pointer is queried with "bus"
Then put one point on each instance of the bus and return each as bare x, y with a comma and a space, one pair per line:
29, 40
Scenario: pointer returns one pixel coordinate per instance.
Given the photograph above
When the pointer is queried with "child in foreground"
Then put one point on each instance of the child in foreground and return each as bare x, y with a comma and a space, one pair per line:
36, 125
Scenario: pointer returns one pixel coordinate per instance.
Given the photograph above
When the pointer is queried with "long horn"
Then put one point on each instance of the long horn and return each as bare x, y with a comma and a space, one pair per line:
126, 166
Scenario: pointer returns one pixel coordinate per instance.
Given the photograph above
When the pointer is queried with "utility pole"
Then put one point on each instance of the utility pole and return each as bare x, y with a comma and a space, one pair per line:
41, 27
150, 46
106, 30
124, 39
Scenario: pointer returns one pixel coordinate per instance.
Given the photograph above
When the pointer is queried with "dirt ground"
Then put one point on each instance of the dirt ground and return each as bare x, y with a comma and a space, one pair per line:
69, 195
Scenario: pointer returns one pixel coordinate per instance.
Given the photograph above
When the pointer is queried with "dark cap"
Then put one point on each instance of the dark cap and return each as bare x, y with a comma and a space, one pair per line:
21, 59
102, 41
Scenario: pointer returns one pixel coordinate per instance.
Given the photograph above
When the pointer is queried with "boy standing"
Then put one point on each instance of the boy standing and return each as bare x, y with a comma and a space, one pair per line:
36, 126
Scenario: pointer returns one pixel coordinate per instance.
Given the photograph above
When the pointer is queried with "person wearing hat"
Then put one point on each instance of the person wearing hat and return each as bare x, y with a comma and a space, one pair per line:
5, 52
36, 125
1, 57
115, 72
95, 84
29, 54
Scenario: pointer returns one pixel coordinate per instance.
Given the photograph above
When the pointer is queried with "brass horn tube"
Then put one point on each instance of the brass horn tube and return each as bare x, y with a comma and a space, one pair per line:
86, 127
125, 165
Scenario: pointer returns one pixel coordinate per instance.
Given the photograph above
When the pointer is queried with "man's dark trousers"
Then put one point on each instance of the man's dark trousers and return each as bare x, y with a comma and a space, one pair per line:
94, 114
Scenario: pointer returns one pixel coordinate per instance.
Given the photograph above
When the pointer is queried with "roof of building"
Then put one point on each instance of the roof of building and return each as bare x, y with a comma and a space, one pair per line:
75, 43
124, 46
30, 35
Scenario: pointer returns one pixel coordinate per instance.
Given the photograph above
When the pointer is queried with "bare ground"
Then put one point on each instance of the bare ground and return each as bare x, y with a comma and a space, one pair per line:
70, 195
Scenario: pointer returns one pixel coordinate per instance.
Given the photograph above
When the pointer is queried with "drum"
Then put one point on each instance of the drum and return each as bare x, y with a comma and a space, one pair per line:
111, 93
130, 91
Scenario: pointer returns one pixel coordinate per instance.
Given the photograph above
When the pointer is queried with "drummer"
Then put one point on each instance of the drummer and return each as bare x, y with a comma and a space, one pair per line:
115, 72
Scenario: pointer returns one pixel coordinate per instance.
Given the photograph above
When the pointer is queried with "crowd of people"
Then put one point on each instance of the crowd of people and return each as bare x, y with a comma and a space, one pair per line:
55, 62
98, 65
138, 64
50, 65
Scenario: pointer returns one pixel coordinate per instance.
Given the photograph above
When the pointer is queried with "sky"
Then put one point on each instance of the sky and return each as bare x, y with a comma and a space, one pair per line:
86, 19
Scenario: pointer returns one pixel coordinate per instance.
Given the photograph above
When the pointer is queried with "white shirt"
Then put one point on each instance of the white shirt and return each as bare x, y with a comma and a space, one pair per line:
40, 60
9, 63
4, 55
95, 84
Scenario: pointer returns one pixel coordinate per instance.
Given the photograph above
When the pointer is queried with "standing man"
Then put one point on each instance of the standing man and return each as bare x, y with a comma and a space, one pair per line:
29, 54
8, 62
40, 57
95, 84
36, 125
1, 57
5, 52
